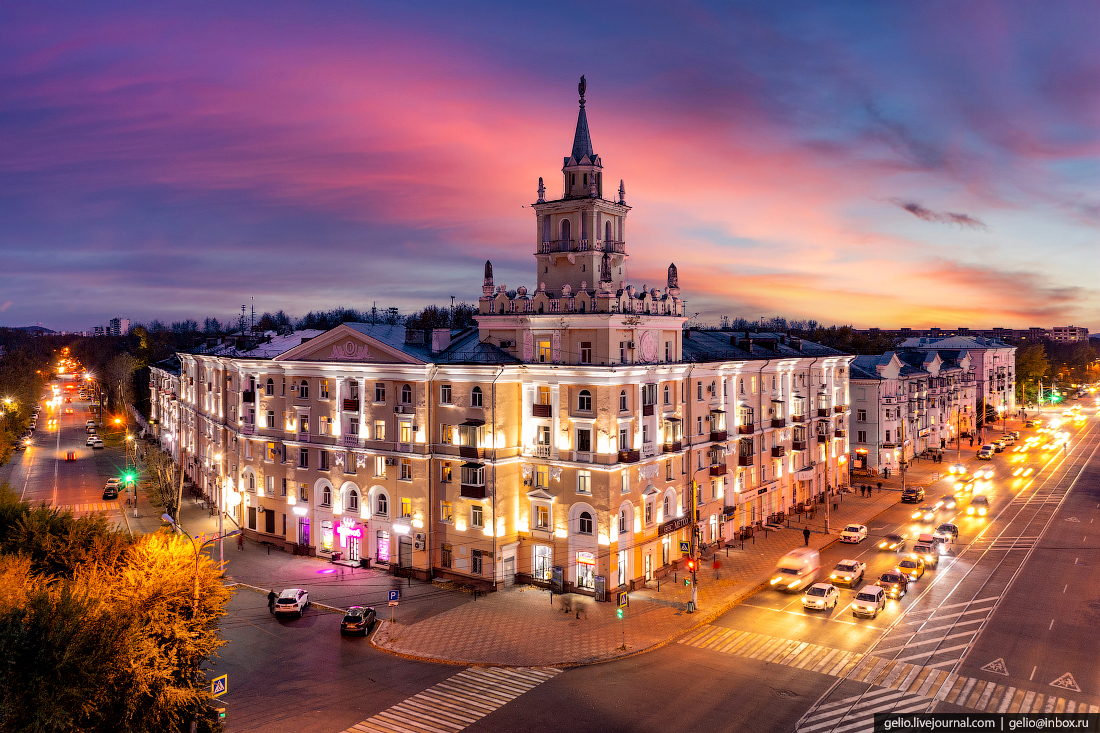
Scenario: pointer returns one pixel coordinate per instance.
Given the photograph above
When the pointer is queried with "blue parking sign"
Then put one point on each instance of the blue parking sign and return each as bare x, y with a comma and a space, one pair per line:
394, 595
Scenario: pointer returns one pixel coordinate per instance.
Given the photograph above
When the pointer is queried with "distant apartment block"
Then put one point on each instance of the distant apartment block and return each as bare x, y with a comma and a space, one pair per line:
1015, 336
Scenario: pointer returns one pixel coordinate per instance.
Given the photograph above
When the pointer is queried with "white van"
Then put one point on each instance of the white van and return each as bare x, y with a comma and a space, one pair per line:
869, 601
797, 570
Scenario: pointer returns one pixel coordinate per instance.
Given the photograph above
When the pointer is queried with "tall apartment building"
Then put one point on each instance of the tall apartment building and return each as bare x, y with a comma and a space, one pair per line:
569, 439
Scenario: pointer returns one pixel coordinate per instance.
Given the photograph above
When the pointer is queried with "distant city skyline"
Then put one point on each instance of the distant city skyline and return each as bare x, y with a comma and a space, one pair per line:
874, 165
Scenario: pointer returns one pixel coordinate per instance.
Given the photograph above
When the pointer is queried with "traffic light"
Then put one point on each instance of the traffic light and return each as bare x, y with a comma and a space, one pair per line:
691, 564
619, 613
220, 712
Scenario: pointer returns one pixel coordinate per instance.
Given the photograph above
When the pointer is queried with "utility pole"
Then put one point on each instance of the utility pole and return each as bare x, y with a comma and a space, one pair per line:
694, 548
904, 419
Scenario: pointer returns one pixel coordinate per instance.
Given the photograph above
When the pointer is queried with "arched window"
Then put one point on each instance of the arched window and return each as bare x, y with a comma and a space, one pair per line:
303, 390
406, 394
585, 523
475, 397
565, 230
667, 508
326, 496
269, 388
622, 401
382, 505
666, 394
622, 521
252, 482
584, 401
353, 500
608, 235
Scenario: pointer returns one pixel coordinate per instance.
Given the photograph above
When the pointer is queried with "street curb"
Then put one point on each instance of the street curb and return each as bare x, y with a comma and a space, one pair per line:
703, 621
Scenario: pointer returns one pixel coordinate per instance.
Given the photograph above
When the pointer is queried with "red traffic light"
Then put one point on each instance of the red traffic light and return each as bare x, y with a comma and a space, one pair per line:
691, 563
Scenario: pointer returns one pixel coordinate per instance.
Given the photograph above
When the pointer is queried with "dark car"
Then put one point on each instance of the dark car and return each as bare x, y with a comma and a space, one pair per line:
70, 456
110, 492
358, 620
947, 528
892, 543
894, 583
912, 495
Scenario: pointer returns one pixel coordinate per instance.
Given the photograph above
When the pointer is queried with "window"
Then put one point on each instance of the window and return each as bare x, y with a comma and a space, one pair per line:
861, 436
353, 426
324, 425
584, 525
252, 483
445, 472
668, 351
584, 441
303, 492
649, 512
269, 482
447, 434
406, 469
544, 351
476, 565
477, 516
382, 505
584, 482
446, 512
323, 389
668, 470
624, 441
542, 476
667, 395
645, 434
622, 521
282, 388
324, 460
473, 475
283, 490
622, 352
406, 508
379, 429
475, 397
303, 390
887, 436
444, 394
667, 508
586, 352
379, 466
379, 391
269, 387
406, 432
248, 449
584, 401
542, 517
698, 390
542, 435
624, 482
406, 394
861, 415
741, 386
699, 425
445, 552
269, 421
622, 401
353, 500
542, 562
303, 458
326, 496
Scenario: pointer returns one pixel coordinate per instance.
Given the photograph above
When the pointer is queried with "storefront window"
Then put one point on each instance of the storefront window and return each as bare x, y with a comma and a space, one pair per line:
542, 562
383, 546
326, 536
586, 570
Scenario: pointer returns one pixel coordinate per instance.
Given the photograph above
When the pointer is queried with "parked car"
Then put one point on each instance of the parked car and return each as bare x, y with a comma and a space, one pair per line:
894, 583
979, 506
912, 567
912, 495
848, 572
97, 443
998, 446
821, 596
92, 439
358, 620
869, 601
110, 492
892, 543
292, 600
854, 533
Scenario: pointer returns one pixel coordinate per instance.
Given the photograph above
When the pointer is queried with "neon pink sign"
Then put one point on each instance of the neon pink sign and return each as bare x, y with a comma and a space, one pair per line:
345, 532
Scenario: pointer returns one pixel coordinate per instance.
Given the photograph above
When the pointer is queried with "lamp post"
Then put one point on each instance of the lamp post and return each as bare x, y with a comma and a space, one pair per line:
167, 518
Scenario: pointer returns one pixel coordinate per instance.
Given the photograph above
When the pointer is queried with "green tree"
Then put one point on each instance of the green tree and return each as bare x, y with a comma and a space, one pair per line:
1031, 366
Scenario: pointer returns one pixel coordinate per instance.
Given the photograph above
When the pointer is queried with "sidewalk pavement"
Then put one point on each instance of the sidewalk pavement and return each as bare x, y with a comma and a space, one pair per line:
441, 622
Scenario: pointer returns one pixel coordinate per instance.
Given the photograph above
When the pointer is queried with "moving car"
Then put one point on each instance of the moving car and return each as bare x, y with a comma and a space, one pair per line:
947, 501
97, 443
796, 570
928, 553
821, 596
894, 583
869, 601
92, 439
893, 543
984, 473
912, 567
854, 533
110, 491
948, 529
957, 468
912, 494
358, 620
70, 456
998, 446
979, 506
292, 600
925, 513
986, 452
848, 572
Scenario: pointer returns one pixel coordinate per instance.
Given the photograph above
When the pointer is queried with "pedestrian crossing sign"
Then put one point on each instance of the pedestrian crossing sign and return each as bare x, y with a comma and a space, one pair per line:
219, 686
624, 599
685, 547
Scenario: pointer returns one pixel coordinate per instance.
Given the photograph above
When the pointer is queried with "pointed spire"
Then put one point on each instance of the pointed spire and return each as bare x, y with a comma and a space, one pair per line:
622, 192
582, 140
542, 192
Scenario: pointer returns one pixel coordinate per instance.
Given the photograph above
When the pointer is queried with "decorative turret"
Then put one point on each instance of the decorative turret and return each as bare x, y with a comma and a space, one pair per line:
622, 192
542, 192
673, 280
487, 285
583, 169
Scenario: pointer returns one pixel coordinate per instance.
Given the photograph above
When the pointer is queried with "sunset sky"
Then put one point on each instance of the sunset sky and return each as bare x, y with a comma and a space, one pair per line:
874, 163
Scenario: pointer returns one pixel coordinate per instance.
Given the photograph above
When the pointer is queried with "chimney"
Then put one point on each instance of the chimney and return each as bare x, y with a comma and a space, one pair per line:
441, 339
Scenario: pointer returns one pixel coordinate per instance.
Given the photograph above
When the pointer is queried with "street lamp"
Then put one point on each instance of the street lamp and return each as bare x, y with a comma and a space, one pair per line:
176, 526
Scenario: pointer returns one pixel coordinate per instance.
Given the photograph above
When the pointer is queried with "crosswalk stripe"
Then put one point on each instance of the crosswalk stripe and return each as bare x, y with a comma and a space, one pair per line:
923, 643
457, 702
825, 661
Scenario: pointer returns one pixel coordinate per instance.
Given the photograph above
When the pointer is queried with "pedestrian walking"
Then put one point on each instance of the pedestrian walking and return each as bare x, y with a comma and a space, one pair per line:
806, 535
271, 602
880, 487
240, 542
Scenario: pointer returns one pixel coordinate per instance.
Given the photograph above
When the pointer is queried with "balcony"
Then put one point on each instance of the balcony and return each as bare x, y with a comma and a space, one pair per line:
746, 429
351, 441
798, 418
647, 410
351, 405
822, 438
778, 422
838, 433
629, 456
469, 451
303, 437
798, 445
472, 491
649, 450
611, 247
838, 409
558, 245
718, 436
671, 447
542, 411
778, 451
718, 469
249, 397
823, 412
744, 460
248, 429
540, 451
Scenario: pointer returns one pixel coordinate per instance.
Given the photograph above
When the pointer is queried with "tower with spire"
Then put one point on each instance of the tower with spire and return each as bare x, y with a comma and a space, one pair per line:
581, 310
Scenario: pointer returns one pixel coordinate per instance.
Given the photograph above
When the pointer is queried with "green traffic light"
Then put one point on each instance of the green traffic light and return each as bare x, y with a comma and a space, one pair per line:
619, 612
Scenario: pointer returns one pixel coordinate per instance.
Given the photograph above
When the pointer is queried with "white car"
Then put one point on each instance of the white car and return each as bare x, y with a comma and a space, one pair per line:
848, 572
985, 473
292, 600
986, 453
97, 443
854, 533
869, 601
821, 596
92, 439
114, 482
